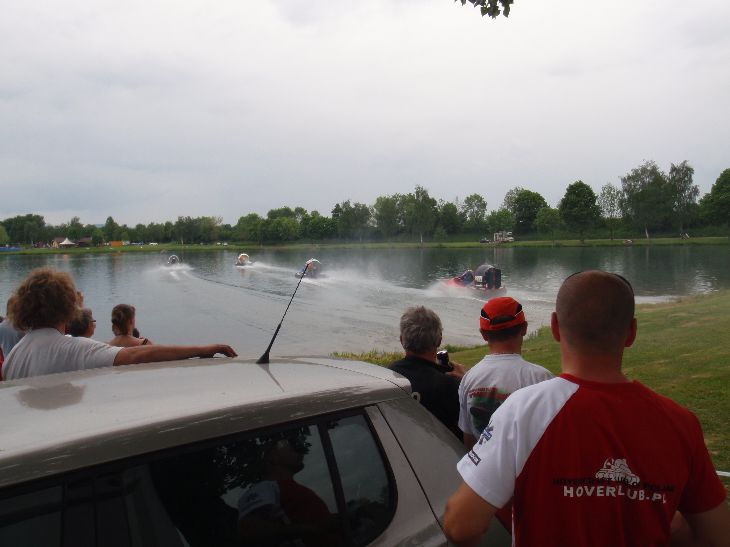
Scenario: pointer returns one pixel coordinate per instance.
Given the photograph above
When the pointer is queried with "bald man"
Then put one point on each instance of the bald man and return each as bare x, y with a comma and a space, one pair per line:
590, 457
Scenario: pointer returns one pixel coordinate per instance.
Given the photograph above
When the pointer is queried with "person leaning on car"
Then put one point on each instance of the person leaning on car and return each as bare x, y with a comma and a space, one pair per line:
435, 389
45, 302
591, 458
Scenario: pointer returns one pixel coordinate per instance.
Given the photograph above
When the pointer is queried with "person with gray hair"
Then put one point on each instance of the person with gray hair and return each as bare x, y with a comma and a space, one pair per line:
434, 387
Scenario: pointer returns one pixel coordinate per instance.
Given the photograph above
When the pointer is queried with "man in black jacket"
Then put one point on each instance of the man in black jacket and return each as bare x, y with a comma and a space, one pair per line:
432, 386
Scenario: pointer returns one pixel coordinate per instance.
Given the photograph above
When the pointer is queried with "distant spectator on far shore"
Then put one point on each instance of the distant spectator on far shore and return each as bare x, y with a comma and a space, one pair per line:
124, 328
83, 325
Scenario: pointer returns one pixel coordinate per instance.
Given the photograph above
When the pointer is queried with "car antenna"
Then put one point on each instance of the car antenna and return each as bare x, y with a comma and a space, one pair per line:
264, 359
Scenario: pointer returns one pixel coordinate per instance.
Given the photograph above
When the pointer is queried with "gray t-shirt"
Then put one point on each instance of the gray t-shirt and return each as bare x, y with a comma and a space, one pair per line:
47, 351
488, 383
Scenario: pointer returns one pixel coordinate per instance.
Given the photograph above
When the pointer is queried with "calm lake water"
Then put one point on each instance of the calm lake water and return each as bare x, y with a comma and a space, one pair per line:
356, 307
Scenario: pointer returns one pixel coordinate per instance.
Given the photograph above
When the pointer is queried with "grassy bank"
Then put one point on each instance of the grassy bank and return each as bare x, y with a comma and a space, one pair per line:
682, 351
251, 247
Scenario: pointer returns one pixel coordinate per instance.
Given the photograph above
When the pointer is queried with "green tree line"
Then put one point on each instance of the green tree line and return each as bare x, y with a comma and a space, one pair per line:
648, 202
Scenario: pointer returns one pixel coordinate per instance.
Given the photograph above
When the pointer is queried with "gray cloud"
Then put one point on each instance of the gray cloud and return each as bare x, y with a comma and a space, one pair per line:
146, 111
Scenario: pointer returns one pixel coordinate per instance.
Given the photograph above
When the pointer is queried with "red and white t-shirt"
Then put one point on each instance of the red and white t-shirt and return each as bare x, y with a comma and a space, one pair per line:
590, 463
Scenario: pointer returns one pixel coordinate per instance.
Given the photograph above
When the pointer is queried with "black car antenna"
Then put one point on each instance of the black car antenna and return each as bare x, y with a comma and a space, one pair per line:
264, 359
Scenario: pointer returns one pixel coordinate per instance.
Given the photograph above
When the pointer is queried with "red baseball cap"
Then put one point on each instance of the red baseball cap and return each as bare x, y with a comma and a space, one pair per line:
501, 313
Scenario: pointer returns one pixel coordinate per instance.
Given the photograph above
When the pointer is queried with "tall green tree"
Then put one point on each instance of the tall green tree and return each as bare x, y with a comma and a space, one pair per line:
609, 201
74, 229
420, 212
4, 237
474, 210
450, 219
647, 197
352, 219
26, 229
524, 205
501, 220
717, 202
548, 221
97, 237
250, 228
385, 215
111, 230
578, 208
684, 192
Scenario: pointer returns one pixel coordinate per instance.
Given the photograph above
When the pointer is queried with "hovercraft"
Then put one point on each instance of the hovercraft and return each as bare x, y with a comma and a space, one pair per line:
312, 267
486, 277
242, 261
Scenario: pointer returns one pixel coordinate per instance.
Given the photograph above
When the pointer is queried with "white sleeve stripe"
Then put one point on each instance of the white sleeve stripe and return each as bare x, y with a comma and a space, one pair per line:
500, 454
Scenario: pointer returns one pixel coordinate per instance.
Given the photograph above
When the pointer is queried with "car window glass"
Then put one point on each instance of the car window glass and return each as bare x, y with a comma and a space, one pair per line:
31, 519
284, 487
369, 497
272, 489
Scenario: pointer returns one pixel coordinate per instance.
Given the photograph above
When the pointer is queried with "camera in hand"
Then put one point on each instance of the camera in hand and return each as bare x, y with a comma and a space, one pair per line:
443, 363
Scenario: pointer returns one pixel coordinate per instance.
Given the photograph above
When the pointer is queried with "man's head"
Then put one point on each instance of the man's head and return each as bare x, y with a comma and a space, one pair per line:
502, 319
594, 313
83, 324
420, 330
46, 298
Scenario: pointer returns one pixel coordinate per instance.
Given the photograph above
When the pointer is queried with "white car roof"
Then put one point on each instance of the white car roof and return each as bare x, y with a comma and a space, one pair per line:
60, 422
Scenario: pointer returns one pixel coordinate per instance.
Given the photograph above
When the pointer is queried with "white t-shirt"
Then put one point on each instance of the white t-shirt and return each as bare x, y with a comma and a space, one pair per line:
488, 383
47, 351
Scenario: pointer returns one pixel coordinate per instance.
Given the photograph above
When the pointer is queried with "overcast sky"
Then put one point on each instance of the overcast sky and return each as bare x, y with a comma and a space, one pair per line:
147, 110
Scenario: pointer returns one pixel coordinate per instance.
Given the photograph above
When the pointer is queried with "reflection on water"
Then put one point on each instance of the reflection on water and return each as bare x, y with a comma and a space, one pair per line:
357, 303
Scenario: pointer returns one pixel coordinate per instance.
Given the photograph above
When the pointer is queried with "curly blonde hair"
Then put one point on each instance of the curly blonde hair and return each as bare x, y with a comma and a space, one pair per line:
46, 298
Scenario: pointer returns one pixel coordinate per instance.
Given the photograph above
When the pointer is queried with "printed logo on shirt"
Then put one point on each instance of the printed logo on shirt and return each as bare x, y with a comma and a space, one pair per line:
474, 458
614, 480
617, 470
486, 434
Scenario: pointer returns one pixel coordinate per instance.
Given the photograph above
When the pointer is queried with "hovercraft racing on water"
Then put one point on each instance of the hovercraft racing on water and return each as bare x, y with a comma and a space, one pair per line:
242, 261
173, 260
313, 268
485, 277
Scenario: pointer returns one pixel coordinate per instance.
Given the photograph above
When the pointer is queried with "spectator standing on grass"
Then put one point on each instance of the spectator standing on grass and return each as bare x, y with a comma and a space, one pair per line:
45, 302
438, 391
503, 371
592, 458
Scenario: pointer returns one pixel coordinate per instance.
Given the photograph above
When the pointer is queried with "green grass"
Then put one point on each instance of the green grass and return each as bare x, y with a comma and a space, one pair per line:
682, 351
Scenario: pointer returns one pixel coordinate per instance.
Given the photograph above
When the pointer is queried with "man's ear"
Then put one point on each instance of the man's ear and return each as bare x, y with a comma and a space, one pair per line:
484, 335
523, 332
631, 336
555, 327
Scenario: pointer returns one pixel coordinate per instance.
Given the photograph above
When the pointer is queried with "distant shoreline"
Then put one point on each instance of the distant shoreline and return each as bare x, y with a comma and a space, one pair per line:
252, 247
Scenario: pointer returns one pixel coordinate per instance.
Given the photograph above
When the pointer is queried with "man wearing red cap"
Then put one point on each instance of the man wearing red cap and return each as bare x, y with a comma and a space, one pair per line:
486, 386
592, 458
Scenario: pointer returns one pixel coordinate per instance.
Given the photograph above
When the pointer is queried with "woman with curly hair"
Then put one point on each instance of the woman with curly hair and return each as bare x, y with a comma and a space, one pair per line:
45, 302
123, 327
